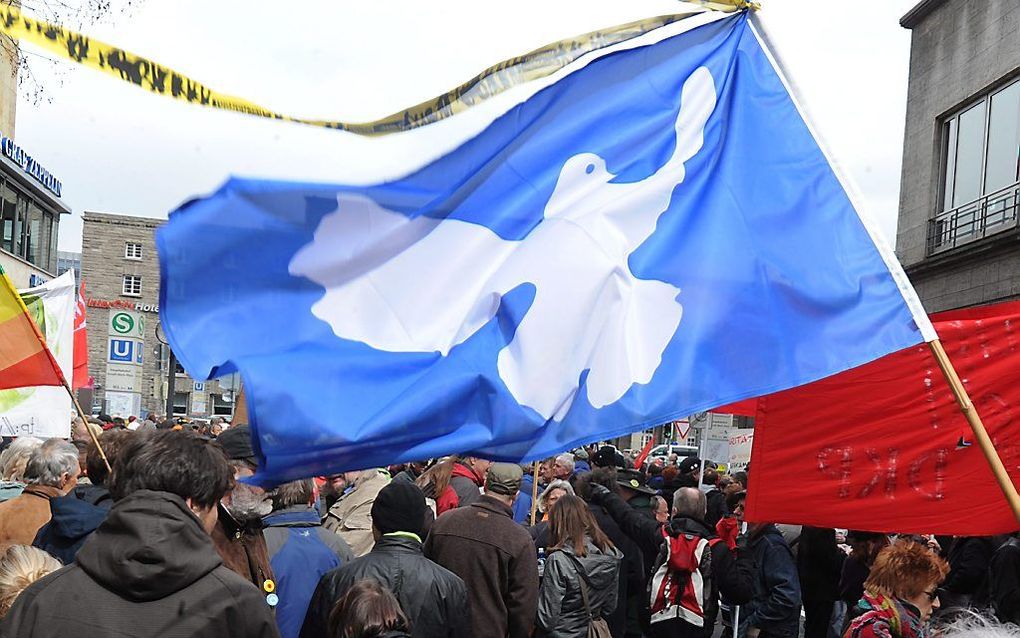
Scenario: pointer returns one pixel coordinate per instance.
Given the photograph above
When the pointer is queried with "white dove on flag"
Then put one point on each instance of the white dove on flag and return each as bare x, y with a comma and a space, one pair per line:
422, 284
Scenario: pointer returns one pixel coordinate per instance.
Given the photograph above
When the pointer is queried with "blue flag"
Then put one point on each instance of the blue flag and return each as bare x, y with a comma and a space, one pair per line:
654, 234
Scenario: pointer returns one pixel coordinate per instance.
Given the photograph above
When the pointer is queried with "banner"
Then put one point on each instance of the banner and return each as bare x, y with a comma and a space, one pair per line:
162, 80
45, 411
81, 343
740, 451
885, 448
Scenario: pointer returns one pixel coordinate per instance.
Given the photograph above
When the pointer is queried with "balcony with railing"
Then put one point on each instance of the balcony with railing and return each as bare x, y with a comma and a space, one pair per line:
994, 213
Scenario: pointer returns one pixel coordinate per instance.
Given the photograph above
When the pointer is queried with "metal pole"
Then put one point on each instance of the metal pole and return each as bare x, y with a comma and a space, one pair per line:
171, 378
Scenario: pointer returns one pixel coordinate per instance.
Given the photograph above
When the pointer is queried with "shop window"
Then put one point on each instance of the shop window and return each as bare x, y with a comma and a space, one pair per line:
132, 286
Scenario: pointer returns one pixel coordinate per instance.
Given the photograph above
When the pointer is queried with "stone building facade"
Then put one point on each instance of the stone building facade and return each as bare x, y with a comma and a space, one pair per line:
120, 268
959, 236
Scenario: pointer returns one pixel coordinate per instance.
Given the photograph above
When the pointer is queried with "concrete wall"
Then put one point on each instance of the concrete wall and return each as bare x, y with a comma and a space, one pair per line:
21, 271
958, 51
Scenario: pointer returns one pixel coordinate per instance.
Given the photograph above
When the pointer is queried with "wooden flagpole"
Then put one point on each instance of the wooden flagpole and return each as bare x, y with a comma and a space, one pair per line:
88, 426
534, 493
974, 420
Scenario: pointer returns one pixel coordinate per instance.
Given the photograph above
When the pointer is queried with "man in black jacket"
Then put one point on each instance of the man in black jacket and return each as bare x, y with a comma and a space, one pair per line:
1004, 581
151, 568
819, 565
729, 574
433, 598
967, 583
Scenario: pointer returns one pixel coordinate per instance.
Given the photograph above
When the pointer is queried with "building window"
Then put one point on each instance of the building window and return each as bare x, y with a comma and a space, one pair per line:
181, 403
132, 251
221, 406
980, 170
132, 286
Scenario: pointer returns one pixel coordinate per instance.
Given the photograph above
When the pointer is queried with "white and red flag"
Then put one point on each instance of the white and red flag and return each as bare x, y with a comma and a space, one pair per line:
81, 378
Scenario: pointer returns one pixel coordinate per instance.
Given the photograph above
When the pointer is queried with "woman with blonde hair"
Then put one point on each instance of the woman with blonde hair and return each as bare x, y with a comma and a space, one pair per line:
20, 566
900, 594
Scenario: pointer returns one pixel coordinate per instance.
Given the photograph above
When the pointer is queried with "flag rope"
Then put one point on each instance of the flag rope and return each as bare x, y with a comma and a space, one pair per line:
498, 78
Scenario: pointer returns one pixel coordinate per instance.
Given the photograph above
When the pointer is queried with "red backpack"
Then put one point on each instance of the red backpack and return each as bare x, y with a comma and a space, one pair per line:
681, 582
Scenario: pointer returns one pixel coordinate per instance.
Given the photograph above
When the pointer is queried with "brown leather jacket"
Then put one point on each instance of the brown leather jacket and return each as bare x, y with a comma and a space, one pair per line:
22, 516
243, 549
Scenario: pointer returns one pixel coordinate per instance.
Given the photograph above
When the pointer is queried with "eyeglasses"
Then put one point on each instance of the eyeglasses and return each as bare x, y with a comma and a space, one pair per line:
932, 595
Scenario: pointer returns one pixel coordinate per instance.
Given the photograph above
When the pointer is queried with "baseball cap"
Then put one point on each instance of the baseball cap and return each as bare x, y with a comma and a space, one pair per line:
504, 478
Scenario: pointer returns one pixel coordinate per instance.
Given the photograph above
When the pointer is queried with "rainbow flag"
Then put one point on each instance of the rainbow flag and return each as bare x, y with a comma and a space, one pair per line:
24, 358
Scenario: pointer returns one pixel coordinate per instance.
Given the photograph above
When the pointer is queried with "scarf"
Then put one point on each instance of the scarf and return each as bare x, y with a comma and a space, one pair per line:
886, 617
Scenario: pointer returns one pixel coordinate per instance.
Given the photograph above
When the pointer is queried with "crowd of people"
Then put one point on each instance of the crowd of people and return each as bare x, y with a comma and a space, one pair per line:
155, 532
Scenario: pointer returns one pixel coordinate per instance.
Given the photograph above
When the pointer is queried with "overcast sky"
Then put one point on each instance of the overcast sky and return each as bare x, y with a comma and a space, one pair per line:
119, 149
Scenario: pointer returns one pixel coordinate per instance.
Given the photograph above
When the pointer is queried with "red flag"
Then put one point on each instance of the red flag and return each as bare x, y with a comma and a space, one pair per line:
639, 461
884, 447
80, 378
24, 358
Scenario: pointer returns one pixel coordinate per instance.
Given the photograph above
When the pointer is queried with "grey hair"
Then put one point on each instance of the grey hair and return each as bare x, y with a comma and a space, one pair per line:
690, 501
15, 457
293, 493
567, 460
658, 499
50, 462
558, 484
971, 624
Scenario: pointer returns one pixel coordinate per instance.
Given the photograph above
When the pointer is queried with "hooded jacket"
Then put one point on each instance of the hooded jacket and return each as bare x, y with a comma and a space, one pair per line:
149, 570
434, 599
71, 523
97, 495
300, 552
561, 610
466, 483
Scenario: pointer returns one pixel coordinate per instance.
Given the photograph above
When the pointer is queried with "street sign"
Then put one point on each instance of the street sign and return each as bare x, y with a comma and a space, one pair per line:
682, 430
122, 350
126, 323
199, 386
123, 377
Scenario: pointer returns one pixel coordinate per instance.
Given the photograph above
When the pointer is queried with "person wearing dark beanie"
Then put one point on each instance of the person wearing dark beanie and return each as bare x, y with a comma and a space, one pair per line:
399, 508
434, 598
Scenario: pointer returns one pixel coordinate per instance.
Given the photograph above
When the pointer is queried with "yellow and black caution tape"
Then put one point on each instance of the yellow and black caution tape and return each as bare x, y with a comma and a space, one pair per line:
162, 80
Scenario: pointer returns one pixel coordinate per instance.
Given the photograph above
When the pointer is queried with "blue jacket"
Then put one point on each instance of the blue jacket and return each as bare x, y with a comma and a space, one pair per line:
775, 607
300, 552
522, 506
72, 522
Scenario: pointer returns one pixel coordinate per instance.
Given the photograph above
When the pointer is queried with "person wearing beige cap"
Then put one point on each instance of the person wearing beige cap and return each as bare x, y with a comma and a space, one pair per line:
494, 556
